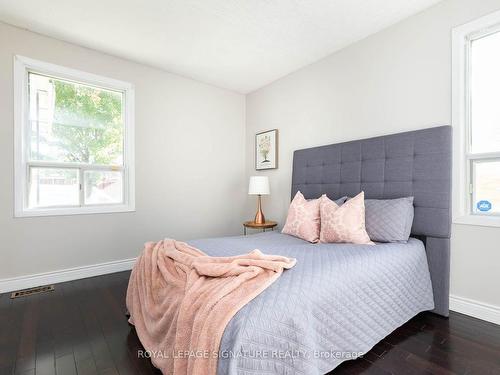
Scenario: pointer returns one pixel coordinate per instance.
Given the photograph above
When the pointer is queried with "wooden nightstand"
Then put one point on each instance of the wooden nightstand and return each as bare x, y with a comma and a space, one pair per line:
253, 225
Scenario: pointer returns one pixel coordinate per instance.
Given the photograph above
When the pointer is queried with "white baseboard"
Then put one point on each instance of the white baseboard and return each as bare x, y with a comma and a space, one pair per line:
30, 281
480, 310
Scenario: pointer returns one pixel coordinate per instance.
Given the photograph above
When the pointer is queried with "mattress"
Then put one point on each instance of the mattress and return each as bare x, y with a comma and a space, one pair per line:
335, 304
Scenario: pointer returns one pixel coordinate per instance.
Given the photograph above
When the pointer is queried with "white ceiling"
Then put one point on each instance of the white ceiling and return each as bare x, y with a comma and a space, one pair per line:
241, 45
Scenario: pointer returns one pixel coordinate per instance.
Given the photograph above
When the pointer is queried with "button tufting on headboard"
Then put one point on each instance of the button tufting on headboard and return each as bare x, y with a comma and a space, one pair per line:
386, 167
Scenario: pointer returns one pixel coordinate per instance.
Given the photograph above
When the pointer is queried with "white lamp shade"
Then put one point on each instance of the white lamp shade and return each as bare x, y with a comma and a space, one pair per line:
258, 185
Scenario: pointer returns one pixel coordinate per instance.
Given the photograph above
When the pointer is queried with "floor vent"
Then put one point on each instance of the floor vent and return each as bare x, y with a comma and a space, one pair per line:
31, 291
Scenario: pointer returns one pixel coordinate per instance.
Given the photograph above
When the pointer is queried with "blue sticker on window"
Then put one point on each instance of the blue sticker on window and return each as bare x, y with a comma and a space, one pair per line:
484, 206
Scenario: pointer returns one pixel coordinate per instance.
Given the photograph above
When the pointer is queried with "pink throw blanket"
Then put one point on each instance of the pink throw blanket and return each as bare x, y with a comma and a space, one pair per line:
180, 301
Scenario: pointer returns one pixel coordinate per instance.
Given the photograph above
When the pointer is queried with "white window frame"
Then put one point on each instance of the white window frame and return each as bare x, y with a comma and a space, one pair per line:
23, 65
463, 157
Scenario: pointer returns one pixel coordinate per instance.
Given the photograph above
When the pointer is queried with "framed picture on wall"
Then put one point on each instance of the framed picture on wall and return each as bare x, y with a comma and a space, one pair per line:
266, 150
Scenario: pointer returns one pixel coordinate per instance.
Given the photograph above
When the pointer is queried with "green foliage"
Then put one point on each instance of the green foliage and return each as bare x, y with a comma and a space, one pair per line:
87, 123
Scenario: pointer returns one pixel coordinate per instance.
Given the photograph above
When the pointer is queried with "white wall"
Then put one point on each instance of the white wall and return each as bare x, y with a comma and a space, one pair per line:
396, 80
190, 178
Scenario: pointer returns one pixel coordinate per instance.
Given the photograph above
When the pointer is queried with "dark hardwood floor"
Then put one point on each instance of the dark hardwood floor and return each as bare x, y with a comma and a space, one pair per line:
80, 328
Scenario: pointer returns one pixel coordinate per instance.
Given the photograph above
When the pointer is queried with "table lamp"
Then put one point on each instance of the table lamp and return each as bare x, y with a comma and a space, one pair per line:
259, 185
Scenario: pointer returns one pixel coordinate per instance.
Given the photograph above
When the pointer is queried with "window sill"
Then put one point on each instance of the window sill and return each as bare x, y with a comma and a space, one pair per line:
89, 210
479, 220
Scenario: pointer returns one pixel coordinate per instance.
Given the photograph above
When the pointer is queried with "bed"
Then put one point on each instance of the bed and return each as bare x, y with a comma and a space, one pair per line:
341, 299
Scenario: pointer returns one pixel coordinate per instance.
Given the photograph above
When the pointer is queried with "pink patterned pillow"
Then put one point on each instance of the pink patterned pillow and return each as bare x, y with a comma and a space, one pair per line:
345, 223
303, 218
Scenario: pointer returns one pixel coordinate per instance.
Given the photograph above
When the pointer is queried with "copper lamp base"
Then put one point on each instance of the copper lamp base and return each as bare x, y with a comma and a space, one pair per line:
259, 216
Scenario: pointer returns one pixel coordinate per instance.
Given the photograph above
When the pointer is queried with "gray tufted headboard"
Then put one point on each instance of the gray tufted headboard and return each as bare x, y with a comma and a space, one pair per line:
416, 163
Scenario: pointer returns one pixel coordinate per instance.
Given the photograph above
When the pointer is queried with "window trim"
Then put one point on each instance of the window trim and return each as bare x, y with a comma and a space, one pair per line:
463, 158
22, 65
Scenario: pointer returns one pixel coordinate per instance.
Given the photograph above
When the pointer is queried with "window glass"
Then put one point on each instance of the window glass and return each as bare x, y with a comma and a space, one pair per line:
73, 122
485, 94
486, 187
51, 187
103, 187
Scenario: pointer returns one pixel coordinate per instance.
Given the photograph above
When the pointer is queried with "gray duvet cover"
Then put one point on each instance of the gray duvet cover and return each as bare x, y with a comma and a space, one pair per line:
338, 301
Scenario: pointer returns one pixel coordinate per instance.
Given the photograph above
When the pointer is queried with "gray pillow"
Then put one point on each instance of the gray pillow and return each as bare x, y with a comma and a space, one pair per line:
389, 220
341, 201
